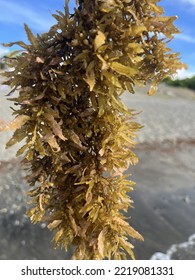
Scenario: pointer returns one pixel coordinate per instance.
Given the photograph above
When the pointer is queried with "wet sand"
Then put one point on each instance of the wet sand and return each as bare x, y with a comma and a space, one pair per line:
164, 198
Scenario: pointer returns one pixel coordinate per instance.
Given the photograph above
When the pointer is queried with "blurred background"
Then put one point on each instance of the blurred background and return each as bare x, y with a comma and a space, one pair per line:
165, 175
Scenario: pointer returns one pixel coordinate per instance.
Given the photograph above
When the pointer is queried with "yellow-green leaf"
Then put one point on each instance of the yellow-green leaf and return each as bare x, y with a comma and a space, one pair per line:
137, 30
133, 233
76, 140
31, 37
127, 246
59, 234
89, 191
90, 75
99, 40
15, 124
55, 126
152, 90
22, 150
107, 6
50, 139
123, 70
61, 91
54, 224
105, 65
156, 9
101, 242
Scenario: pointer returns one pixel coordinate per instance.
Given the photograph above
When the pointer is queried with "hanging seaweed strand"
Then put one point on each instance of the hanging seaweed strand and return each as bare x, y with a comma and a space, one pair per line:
78, 134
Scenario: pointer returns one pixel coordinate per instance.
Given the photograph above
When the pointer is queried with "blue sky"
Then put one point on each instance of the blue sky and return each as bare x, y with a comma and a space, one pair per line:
38, 15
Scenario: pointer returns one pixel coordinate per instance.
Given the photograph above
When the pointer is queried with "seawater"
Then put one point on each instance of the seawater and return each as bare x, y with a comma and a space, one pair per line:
181, 251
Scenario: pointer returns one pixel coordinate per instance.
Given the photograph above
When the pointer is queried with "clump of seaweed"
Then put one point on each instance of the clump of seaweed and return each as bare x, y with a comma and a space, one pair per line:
78, 134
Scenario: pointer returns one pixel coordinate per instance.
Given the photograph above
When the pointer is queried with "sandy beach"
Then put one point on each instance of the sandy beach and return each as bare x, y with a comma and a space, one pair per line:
164, 196
164, 199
